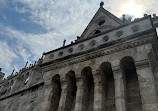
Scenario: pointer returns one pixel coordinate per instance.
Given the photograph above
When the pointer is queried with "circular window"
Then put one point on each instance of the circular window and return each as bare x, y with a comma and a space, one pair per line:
92, 43
119, 33
51, 56
135, 28
106, 38
81, 47
97, 31
101, 22
70, 50
60, 53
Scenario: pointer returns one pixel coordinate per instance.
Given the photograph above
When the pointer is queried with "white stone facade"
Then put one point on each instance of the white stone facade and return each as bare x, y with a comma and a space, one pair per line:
111, 67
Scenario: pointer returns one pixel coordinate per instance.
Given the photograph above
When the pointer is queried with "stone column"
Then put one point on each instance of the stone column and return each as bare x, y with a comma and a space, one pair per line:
46, 105
97, 106
63, 96
119, 90
79, 95
147, 85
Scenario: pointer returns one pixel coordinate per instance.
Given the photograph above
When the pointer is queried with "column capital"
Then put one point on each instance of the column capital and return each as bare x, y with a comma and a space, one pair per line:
117, 72
118, 75
63, 84
97, 79
95, 72
79, 82
78, 76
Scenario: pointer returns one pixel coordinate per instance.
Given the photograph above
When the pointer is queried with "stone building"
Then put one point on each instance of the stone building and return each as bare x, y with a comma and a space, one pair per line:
112, 66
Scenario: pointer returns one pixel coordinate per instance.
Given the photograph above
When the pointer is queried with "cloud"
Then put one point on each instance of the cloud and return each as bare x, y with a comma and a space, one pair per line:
4, 17
22, 10
3, 3
23, 20
33, 44
67, 16
63, 19
149, 6
61, 15
7, 56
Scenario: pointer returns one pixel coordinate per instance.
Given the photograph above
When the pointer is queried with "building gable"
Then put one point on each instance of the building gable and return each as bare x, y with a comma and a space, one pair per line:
101, 22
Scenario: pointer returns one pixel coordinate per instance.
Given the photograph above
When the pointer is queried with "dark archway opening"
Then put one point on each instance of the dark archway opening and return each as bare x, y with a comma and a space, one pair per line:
88, 89
132, 89
71, 91
108, 87
56, 93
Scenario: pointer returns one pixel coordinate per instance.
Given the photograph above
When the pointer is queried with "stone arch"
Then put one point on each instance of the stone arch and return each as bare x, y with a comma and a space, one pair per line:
131, 83
71, 91
108, 87
26, 78
88, 89
56, 92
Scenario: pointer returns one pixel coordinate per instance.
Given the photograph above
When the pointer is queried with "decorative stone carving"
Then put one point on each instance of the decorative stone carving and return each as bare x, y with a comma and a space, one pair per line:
70, 50
81, 47
60, 53
92, 43
102, 52
105, 38
119, 33
51, 56
101, 20
135, 28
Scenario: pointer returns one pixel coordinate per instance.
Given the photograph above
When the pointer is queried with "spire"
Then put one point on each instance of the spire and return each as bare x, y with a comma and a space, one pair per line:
13, 72
26, 64
64, 42
123, 17
101, 4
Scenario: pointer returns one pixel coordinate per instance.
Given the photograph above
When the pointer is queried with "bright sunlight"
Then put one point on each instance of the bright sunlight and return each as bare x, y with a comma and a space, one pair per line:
132, 8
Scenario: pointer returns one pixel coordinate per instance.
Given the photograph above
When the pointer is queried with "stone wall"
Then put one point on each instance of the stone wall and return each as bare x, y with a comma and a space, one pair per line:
29, 100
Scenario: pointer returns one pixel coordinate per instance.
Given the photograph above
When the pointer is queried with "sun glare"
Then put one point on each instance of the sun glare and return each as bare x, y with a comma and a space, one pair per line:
132, 8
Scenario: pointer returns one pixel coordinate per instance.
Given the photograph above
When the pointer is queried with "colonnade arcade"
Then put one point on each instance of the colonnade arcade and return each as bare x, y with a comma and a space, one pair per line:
101, 88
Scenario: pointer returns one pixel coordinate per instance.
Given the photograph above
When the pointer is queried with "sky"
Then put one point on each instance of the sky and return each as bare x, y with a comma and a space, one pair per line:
30, 27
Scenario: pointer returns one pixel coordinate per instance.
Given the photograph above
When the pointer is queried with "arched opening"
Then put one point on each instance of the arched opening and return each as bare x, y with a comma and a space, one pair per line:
26, 78
97, 31
101, 22
108, 87
56, 93
88, 89
71, 91
132, 89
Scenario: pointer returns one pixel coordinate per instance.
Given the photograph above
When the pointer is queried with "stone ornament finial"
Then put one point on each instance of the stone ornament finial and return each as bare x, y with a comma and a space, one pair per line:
13, 72
123, 17
64, 42
26, 64
42, 56
145, 15
101, 4
130, 19
154, 15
